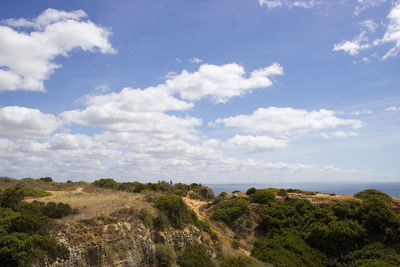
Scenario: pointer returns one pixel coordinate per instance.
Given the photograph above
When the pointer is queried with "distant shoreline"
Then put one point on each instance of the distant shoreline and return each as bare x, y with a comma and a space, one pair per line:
344, 188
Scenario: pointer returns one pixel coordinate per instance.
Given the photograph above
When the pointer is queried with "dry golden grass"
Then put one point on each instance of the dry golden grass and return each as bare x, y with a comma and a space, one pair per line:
99, 202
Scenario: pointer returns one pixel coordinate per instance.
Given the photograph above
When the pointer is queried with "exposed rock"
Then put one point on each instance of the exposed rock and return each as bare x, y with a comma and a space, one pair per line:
104, 242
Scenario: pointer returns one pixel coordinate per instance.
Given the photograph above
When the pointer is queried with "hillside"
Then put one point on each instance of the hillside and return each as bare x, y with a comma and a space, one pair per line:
132, 224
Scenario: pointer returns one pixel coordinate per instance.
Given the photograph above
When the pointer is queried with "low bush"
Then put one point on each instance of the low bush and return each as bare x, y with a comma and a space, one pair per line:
160, 222
164, 255
56, 210
250, 191
106, 183
146, 217
230, 210
282, 193
222, 194
46, 179
34, 192
262, 196
24, 239
235, 244
195, 256
287, 249
238, 261
375, 254
373, 194
176, 210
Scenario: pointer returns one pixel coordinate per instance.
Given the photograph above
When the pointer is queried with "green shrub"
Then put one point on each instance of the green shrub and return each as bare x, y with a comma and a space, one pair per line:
164, 255
282, 193
160, 222
146, 217
287, 249
347, 209
11, 198
230, 210
238, 261
381, 222
250, 191
222, 194
249, 223
262, 196
176, 210
56, 211
235, 244
134, 187
46, 179
106, 183
373, 194
337, 238
21, 249
375, 254
235, 191
34, 192
195, 256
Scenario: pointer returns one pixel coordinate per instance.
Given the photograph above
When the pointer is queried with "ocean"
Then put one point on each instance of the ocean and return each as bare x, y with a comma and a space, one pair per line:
392, 189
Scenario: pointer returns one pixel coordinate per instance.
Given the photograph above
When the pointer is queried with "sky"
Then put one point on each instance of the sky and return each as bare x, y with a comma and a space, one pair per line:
213, 91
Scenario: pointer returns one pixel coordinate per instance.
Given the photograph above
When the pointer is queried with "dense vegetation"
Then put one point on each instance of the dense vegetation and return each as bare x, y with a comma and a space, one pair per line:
300, 233
195, 190
229, 210
195, 256
23, 231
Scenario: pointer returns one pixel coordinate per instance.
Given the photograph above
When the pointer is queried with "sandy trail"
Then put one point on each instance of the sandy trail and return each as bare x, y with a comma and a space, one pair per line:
224, 233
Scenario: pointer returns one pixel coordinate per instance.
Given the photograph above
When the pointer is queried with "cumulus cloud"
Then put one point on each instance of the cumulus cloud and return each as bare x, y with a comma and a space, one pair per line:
288, 3
27, 58
252, 144
287, 121
24, 122
136, 110
220, 83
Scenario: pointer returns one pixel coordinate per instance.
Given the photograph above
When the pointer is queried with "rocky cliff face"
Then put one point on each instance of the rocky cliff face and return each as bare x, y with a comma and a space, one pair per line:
118, 240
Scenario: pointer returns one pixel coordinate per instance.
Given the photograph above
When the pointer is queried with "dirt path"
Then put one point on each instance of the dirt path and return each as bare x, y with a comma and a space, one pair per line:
224, 233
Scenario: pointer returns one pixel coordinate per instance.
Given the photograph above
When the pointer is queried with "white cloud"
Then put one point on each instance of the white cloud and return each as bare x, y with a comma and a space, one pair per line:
195, 60
252, 144
339, 134
24, 122
366, 4
369, 24
392, 108
391, 36
136, 110
355, 46
102, 88
220, 83
287, 121
364, 111
288, 3
27, 59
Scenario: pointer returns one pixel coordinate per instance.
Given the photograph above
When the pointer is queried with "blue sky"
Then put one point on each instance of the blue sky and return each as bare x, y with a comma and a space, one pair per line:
208, 91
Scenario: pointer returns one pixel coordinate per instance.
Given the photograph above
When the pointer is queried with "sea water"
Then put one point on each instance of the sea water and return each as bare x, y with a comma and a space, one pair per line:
392, 189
